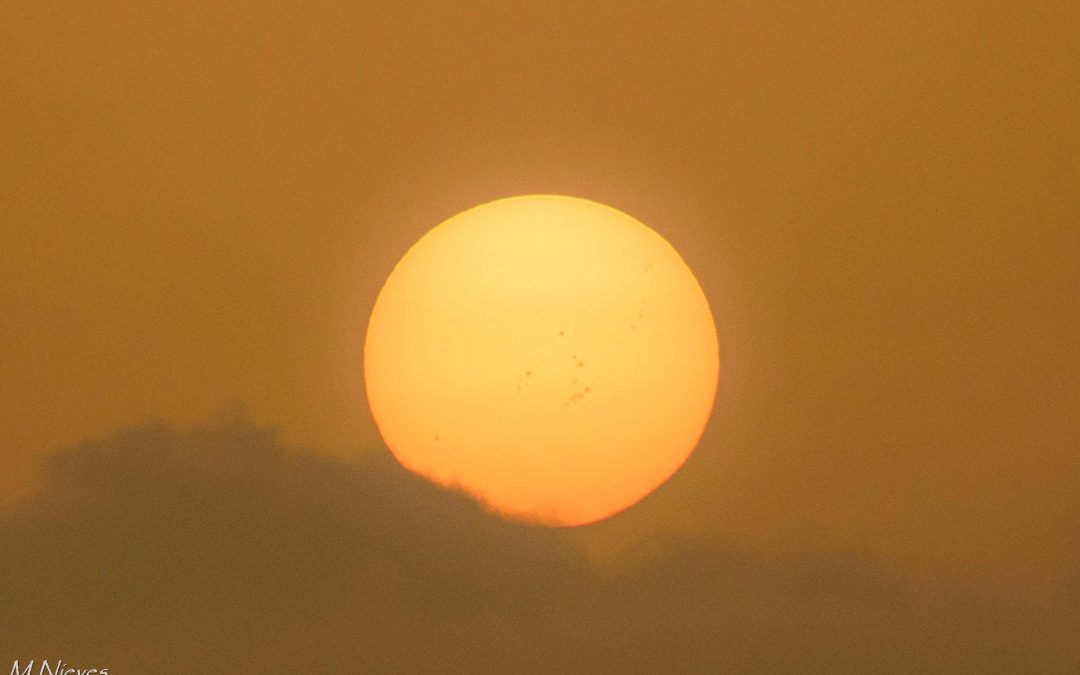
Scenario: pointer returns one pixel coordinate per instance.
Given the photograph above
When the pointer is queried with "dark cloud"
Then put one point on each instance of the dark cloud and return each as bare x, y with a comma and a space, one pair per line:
217, 549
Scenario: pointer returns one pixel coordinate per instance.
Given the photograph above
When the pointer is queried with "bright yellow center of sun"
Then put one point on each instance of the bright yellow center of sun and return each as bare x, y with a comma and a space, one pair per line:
551, 356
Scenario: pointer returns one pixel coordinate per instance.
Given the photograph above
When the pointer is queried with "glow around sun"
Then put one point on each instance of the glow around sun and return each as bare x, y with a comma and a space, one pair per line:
551, 356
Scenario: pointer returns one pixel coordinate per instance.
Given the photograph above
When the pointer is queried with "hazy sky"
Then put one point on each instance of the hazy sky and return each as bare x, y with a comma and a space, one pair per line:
200, 200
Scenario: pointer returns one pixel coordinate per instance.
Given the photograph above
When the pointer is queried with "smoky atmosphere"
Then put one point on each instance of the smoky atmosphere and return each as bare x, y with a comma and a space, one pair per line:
539, 337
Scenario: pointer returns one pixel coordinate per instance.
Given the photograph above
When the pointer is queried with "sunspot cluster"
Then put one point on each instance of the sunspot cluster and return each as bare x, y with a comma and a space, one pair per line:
549, 355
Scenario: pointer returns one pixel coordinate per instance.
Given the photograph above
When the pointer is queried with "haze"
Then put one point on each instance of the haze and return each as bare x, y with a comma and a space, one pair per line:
199, 201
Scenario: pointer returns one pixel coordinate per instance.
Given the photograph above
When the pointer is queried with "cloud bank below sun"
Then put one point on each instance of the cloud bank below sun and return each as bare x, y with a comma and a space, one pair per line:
216, 548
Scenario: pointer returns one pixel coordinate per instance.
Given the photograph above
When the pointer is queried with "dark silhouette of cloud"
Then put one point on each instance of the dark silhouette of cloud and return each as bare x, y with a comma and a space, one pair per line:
218, 549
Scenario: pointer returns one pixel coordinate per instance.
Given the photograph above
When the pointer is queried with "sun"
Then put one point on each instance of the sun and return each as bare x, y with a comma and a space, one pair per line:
549, 355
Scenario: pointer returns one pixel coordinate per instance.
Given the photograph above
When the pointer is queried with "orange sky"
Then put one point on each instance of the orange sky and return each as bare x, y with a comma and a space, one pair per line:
199, 201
